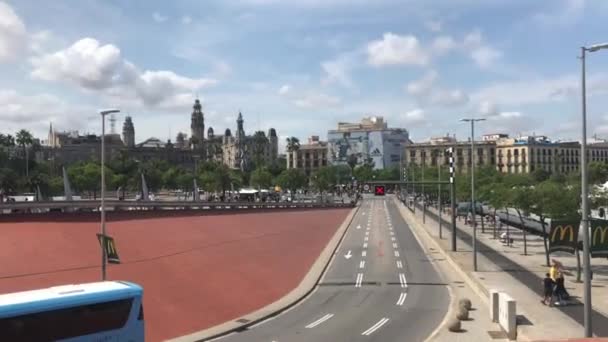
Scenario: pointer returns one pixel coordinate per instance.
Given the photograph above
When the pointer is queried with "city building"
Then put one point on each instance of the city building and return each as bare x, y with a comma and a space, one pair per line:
308, 157
240, 151
529, 153
509, 155
369, 142
433, 152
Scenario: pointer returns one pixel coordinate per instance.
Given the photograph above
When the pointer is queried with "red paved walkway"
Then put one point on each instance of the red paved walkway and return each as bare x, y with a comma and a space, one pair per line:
196, 271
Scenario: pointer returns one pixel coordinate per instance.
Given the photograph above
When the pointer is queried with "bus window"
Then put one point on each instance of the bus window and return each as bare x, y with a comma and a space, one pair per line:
67, 323
140, 316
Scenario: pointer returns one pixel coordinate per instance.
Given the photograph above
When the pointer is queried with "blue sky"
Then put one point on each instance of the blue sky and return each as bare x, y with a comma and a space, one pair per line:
303, 65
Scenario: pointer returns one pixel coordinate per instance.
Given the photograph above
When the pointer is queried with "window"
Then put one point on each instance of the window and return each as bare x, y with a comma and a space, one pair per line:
67, 323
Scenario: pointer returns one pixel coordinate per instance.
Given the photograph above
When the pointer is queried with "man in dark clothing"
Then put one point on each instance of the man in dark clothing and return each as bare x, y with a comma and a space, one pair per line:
548, 284
560, 290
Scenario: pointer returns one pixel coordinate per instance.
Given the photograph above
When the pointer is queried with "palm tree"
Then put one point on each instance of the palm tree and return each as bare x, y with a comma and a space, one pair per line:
25, 138
293, 144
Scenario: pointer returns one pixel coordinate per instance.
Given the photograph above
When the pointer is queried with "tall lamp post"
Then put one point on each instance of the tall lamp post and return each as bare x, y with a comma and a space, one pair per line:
585, 195
474, 242
103, 188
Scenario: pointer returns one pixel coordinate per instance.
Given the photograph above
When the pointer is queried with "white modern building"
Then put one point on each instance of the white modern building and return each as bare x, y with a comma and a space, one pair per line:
370, 141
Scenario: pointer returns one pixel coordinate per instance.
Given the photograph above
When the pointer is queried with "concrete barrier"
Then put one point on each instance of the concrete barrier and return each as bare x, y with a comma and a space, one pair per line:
494, 305
507, 314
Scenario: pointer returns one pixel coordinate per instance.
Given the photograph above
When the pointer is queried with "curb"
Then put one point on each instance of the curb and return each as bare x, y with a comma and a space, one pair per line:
306, 287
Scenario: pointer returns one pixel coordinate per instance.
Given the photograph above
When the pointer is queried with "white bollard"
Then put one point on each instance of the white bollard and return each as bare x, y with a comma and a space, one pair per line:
494, 305
507, 315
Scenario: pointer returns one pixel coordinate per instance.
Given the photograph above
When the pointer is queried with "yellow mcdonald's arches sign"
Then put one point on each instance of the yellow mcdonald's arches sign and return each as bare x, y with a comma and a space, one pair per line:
563, 230
108, 244
599, 238
563, 236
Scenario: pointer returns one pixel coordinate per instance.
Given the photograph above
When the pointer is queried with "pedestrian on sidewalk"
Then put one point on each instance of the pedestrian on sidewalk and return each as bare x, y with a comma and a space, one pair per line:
561, 295
556, 267
548, 285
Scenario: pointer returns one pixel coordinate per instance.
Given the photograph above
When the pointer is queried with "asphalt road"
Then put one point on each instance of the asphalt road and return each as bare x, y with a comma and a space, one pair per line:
380, 286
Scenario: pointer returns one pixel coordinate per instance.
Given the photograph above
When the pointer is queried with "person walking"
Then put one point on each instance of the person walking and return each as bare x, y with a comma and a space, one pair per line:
548, 285
560, 293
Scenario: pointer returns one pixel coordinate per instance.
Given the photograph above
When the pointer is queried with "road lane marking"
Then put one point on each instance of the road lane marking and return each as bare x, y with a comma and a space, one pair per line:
402, 280
367, 228
394, 245
359, 280
319, 321
392, 233
399, 264
401, 298
393, 238
375, 327
366, 238
362, 264
366, 233
365, 245
397, 253
358, 226
364, 253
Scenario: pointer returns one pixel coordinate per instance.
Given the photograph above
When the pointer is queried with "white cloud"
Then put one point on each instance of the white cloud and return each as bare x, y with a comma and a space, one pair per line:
508, 115
13, 35
35, 111
394, 49
413, 116
338, 71
443, 44
424, 85
101, 68
427, 92
488, 108
159, 18
284, 89
186, 20
445, 97
561, 13
485, 56
541, 90
433, 25
317, 101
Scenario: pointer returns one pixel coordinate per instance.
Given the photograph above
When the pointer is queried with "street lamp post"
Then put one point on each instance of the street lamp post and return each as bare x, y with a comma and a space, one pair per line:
103, 188
585, 195
474, 242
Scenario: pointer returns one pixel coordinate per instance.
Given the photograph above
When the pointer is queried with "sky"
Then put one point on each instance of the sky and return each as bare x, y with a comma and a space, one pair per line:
302, 66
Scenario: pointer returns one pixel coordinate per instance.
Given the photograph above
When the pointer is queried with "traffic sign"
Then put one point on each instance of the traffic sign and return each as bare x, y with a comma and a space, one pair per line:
108, 244
366, 187
379, 190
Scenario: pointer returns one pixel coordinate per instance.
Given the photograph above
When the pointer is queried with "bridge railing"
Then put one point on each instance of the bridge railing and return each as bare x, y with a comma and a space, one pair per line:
95, 205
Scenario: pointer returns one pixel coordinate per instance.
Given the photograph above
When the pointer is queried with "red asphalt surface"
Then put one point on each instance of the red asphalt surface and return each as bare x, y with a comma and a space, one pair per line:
196, 271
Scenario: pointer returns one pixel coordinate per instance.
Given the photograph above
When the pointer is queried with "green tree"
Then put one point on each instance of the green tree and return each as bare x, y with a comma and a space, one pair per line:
24, 138
293, 144
184, 180
364, 173
598, 172
7, 140
556, 201
324, 179
261, 178
540, 175
519, 198
292, 179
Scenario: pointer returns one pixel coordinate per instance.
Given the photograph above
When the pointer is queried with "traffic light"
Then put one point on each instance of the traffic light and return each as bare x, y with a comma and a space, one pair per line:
379, 190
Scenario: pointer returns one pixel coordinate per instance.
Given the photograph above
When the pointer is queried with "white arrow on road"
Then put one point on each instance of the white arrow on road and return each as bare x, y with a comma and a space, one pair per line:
358, 226
348, 255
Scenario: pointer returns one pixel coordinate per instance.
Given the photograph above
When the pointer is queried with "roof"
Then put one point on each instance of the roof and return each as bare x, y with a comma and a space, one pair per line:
64, 296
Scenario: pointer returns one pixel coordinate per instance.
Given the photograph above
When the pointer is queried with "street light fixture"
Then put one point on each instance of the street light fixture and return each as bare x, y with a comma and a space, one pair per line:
474, 242
103, 114
585, 195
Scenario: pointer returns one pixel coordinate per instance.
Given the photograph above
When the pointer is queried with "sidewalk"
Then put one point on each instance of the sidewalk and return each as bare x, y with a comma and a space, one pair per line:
479, 327
502, 268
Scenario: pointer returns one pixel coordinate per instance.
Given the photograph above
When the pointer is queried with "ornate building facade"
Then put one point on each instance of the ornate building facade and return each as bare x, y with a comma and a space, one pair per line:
238, 151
